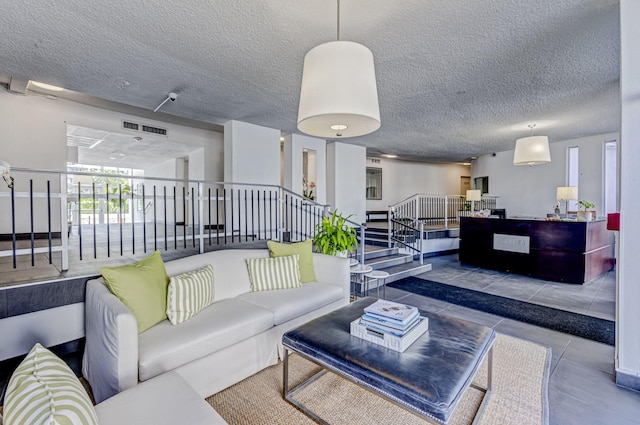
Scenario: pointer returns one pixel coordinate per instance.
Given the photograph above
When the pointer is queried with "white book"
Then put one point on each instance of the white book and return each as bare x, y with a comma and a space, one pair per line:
393, 311
393, 342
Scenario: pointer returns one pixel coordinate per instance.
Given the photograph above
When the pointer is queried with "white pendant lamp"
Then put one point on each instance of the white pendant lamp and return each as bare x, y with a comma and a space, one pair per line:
532, 150
338, 96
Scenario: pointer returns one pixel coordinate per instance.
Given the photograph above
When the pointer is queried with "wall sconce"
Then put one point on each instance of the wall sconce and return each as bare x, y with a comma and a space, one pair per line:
5, 169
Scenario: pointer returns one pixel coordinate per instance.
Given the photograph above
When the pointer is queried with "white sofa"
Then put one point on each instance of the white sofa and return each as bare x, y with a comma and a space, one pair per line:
235, 337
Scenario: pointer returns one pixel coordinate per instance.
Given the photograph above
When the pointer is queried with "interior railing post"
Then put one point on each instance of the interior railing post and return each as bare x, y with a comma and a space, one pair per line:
93, 208
33, 238
421, 244
201, 216
361, 246
446, 212
49, 220
64, 220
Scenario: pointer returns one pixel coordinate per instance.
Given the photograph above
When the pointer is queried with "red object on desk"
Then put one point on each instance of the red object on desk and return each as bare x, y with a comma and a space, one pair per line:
613, 221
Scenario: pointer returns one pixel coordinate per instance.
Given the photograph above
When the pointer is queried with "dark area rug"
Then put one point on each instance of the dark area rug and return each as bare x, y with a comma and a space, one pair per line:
592, 328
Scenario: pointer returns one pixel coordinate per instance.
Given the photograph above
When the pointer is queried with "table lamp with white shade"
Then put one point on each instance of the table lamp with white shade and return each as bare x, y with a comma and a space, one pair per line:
566, 194
473, 195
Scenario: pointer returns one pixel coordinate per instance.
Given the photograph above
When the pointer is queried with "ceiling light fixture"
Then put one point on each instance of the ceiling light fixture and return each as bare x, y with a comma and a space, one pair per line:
45, 86
338, 95
388, 155
532, 150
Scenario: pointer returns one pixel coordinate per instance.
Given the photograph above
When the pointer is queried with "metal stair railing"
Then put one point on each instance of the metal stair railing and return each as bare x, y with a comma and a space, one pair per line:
75, 216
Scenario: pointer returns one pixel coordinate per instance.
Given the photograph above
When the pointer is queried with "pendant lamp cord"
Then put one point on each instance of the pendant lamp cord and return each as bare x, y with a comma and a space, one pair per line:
338, 19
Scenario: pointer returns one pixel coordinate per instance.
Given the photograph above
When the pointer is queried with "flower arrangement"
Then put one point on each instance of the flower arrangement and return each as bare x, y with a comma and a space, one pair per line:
307, 189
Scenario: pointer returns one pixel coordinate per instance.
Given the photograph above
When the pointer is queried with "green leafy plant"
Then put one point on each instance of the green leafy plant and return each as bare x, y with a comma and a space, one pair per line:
334, 235
585, 205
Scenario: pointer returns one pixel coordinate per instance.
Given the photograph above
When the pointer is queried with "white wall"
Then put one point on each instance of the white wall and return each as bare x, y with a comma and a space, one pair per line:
33, 134
628, 320
346, 179
294, 144
402, 179
531, 190
251, 153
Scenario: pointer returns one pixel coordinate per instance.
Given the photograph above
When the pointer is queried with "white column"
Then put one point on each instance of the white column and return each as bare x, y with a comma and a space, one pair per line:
251, 153
628, 297
346, 179
294, 145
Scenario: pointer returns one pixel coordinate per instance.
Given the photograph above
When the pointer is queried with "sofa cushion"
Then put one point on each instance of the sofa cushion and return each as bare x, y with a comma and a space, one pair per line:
166, 399
165, 347
288, 304
267, 274
189, 293
142, 287
303, 249
44, 390
229, 269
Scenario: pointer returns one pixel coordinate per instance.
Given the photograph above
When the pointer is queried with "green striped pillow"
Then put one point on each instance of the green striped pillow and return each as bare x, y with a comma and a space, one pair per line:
267, 274
189, 293
44, 390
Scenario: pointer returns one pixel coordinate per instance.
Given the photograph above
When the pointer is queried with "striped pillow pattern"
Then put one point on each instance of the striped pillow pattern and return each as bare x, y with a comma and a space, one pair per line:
267, 274
189, 293
44, 390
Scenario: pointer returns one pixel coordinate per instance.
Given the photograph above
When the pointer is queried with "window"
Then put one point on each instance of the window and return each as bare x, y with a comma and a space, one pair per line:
610, 177
374, 183
573, 174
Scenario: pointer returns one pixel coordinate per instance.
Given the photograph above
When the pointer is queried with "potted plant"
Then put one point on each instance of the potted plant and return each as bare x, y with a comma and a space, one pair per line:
334, 236
583, 213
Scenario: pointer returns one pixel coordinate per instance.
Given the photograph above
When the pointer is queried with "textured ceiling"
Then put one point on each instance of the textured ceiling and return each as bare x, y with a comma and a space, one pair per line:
456, 78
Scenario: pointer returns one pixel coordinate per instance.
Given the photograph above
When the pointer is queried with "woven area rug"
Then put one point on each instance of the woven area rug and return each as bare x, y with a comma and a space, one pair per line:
519, 396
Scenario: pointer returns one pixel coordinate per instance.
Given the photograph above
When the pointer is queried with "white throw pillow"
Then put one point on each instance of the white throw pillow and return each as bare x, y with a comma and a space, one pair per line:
189, 293
267, 274
43, 390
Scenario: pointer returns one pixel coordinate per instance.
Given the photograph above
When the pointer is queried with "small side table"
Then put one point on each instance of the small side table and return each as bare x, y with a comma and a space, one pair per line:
378, 275
357, 272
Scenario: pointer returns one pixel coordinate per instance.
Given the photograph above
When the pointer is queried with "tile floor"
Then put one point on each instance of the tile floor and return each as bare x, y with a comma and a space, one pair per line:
582, 387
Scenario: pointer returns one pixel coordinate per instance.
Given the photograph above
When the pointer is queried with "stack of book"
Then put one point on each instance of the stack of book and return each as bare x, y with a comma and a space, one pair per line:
393, 325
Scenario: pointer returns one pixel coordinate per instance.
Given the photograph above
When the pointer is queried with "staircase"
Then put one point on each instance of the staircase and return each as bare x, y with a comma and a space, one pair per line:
404, 263
392, 261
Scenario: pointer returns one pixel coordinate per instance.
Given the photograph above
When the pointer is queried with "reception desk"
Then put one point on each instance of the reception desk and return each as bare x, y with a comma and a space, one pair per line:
563, 251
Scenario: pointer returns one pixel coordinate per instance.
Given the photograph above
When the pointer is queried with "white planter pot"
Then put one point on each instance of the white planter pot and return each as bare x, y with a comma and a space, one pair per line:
585, 215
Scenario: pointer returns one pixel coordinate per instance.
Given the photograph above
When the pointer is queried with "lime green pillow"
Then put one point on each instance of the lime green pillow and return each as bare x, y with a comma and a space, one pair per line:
141, 286
302, 249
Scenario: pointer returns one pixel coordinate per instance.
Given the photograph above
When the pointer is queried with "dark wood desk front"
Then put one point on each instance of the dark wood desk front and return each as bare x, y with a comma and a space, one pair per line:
562, 251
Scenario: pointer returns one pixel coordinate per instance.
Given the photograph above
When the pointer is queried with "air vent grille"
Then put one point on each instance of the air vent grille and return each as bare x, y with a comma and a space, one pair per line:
130, 125
154, 130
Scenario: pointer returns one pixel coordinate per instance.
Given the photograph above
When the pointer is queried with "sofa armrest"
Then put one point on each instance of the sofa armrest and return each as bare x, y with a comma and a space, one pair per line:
110, 361
333, 270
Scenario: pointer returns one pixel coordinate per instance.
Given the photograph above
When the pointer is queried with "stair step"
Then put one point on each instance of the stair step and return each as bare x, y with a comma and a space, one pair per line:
381, 236
378, 252
387, 261
376, 230
397, 272
377, 242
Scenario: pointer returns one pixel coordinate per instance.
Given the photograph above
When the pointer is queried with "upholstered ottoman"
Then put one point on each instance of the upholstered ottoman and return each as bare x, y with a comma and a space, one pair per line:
428, 379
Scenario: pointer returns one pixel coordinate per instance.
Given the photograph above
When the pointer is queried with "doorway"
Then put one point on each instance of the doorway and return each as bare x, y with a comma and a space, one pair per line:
465, 184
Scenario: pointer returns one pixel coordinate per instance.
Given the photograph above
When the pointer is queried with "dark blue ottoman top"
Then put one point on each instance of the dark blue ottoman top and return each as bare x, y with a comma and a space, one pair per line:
428, 378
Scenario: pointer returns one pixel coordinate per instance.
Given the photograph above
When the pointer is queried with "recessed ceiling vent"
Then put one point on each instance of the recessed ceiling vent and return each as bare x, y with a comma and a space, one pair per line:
154, 130
128, 125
